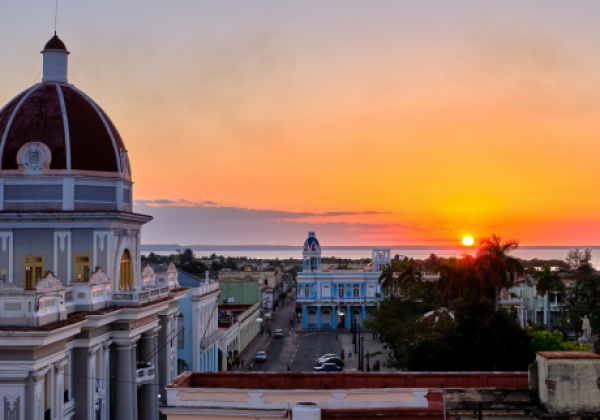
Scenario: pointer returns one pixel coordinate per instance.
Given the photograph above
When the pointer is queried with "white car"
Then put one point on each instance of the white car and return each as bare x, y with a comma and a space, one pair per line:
261, 357
325, 357
278, 333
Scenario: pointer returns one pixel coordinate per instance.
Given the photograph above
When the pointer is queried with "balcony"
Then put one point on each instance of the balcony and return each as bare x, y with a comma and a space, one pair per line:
207, 341
145, 372
140, 297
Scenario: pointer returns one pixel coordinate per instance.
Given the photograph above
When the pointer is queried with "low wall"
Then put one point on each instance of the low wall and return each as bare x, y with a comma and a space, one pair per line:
351, 380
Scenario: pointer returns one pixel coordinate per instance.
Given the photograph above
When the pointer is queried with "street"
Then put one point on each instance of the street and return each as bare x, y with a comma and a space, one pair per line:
300, 350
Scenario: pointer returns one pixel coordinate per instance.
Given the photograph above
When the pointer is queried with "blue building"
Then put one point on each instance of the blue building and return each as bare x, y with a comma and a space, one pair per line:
332, 299
198, 323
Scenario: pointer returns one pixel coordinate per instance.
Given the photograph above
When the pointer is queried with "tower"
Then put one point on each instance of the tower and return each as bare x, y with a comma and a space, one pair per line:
311, 254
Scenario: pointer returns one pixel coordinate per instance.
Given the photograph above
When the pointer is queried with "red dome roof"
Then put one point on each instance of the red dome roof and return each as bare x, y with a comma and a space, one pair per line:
77, 131
55, 43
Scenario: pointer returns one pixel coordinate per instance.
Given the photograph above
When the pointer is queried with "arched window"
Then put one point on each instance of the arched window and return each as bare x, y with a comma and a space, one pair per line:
126, 277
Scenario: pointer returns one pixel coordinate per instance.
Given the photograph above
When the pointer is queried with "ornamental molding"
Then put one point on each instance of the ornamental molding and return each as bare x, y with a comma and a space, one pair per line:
34, 158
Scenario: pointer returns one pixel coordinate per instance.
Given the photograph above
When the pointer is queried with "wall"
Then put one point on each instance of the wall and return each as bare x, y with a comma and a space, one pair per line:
245, 292
185, 307
32, 242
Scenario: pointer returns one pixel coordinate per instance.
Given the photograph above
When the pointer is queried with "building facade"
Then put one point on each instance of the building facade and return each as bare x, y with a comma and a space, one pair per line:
199, 334
83, 334
335, 299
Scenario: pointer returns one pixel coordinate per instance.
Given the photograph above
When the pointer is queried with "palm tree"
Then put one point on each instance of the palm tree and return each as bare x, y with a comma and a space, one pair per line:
459, 279
408, 274
548, 282
387, 275
495, 264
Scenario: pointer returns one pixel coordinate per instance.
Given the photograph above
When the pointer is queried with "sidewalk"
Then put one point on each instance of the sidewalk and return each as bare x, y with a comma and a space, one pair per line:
371, 346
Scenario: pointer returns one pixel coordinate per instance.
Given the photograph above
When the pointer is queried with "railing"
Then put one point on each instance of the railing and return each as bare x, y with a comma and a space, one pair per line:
139, 297
145, 373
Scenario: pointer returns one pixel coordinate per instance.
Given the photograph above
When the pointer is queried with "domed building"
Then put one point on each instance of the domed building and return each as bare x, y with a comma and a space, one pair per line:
73, 297
333, 298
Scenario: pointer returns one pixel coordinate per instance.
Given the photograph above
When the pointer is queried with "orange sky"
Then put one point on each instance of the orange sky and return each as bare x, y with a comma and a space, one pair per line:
440, 121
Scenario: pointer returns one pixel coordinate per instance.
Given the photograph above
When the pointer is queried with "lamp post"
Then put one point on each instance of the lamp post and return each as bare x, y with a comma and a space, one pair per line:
362, 352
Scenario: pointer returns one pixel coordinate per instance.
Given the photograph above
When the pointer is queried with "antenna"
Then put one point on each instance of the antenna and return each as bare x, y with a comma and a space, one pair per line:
55, 15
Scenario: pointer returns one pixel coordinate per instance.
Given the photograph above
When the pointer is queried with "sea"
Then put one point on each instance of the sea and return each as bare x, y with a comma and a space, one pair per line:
358, 252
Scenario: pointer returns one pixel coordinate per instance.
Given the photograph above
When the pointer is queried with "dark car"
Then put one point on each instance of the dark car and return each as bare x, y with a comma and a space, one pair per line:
328, 367
335, 360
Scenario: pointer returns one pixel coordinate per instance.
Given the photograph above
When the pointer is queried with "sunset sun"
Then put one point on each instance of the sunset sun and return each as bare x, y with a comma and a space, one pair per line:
467, 241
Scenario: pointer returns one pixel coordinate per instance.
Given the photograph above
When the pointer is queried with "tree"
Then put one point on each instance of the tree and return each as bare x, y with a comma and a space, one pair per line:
495, 264
579, 260
584, 299
459, 279
548, 282
387, 278
483, 339
408, 275
186, 257
553, 341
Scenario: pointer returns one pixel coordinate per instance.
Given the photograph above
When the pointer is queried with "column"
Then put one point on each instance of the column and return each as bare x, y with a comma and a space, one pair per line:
333, 315
39, 383
148, 405
125, 398
318, 316
59, 400
349, 317
105, 382
304, 317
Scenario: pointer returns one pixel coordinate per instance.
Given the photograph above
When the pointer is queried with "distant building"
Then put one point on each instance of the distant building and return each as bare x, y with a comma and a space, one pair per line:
333, 299
239, 327
198, 334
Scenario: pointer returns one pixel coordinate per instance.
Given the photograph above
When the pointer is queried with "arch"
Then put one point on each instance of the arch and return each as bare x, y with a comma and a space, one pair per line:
326, 318
312, 318
126, 271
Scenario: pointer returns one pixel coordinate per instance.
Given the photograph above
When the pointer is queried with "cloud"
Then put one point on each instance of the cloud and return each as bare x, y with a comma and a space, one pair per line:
212, 203
207, 224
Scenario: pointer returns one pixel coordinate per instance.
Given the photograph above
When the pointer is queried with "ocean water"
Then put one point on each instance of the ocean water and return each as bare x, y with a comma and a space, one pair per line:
346, 253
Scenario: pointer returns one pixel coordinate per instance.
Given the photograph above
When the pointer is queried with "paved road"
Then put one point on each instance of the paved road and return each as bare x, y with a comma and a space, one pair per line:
299, 350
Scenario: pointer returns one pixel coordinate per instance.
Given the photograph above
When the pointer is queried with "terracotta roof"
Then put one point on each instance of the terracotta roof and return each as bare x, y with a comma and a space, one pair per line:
568, 355
55, 43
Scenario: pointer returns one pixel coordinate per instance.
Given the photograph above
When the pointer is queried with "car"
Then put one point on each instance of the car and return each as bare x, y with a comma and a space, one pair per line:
328, 367
326, 356
279, 333
335, 360
261, 357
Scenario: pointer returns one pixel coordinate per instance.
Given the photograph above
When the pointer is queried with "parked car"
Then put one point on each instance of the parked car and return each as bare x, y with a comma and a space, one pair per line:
328, 367
279, 333
335, 360
326, 356
261, 357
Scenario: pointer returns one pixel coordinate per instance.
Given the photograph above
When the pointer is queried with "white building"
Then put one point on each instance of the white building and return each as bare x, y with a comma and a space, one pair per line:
82, 334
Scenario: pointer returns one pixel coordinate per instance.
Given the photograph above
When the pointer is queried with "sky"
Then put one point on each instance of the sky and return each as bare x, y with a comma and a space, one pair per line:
379, 122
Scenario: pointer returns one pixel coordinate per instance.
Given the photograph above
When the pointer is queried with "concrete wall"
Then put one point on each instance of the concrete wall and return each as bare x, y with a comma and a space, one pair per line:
244, 292
185, 307
569, 382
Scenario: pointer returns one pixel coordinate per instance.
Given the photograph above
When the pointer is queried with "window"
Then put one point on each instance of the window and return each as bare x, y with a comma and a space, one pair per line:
231, 299
126, 273
81, 269
300, 291
356, 290
307, 291
34, 269
326, 291
180, 332
341, 290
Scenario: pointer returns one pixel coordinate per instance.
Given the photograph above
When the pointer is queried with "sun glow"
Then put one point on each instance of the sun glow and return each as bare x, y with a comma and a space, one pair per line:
468, 241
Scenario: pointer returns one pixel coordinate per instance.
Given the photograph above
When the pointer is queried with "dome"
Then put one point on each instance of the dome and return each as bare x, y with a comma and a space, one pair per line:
312, 244
55, 43
58, 123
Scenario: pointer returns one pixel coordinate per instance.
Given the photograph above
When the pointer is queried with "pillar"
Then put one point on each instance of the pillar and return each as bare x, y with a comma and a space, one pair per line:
304, 317
148, 406
333, 315
364, 314
39, 383
105, 382
319, 316
348, 317
59, 381
125, 398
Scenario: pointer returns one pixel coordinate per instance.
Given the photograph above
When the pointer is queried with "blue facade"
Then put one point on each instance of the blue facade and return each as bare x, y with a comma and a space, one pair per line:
208, 359
333, 299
